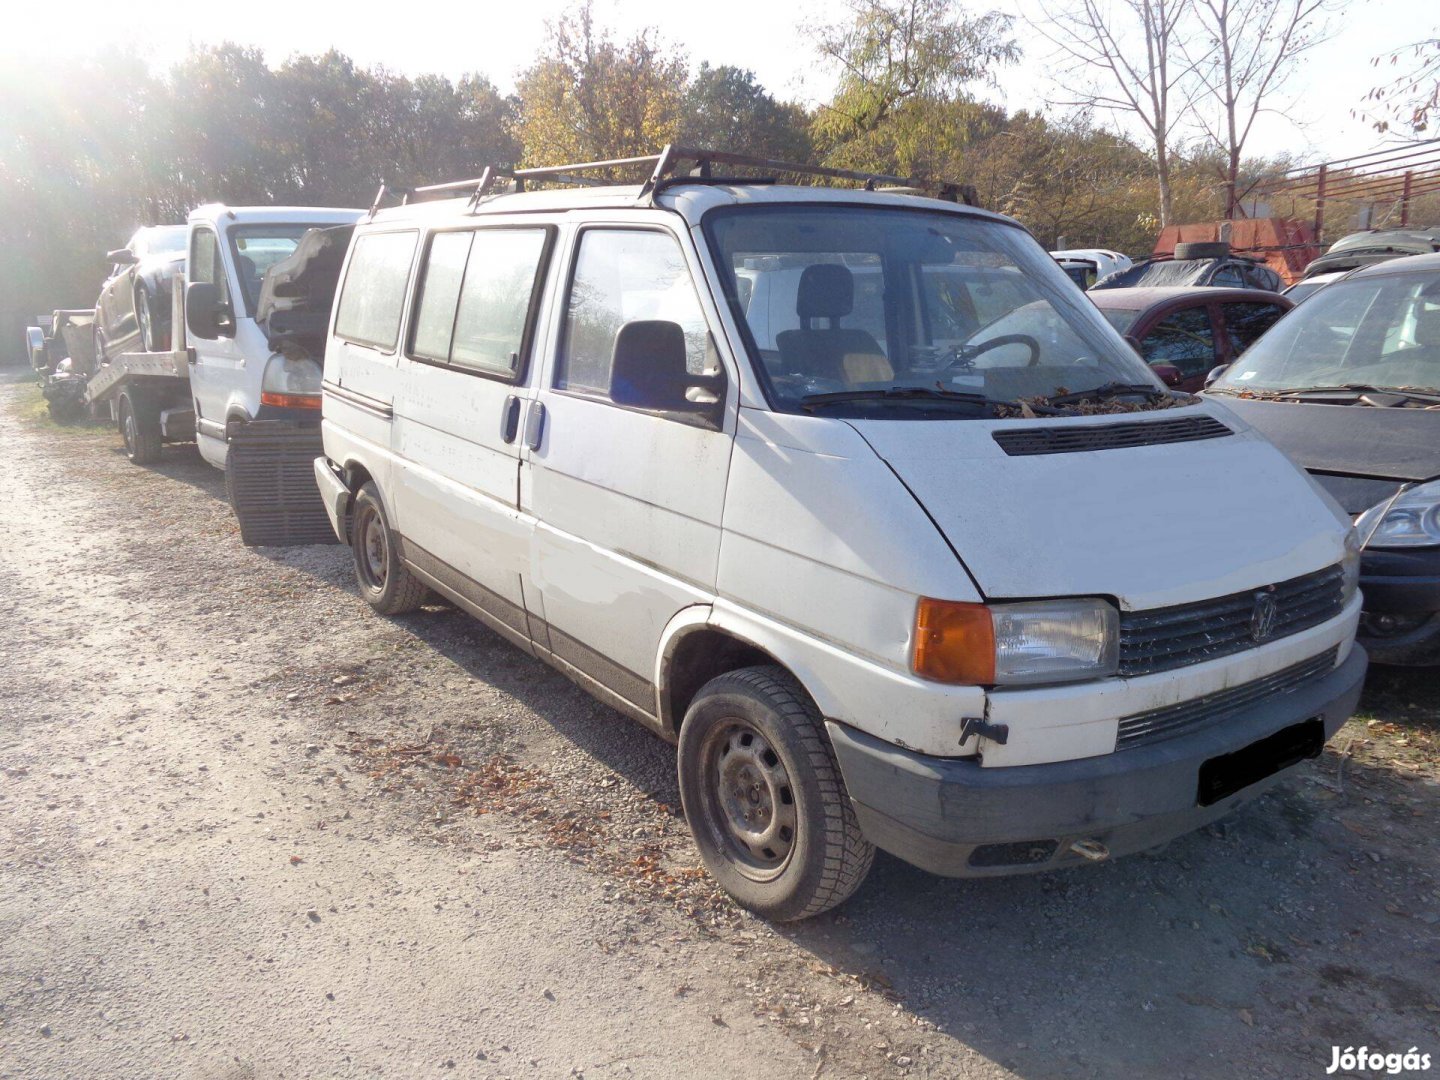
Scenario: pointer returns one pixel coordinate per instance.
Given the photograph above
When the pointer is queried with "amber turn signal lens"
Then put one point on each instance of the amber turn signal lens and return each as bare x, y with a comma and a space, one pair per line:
954, 642
290, 401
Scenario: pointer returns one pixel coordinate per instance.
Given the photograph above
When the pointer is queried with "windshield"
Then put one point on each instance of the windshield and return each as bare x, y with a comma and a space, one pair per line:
1378, 331
159, 240
259, 247
840, 300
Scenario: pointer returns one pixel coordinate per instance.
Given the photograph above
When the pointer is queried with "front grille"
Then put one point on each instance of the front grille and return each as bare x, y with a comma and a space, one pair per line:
1076, 438
1161, 639
1171, 720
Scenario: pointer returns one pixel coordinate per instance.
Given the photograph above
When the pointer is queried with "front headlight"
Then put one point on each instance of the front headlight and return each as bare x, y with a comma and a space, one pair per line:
1042, 641
291, 382
1412, 520
1350, 566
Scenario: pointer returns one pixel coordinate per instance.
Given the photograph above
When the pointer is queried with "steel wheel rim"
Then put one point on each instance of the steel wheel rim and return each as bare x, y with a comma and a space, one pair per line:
142, 316
374, 550
749, 799
131, 435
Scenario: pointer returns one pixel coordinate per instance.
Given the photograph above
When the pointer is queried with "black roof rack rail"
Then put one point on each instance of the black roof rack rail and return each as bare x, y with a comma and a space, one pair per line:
666, 171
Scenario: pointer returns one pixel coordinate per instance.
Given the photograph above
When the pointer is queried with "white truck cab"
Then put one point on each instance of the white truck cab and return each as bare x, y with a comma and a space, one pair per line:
235, 376
804, 480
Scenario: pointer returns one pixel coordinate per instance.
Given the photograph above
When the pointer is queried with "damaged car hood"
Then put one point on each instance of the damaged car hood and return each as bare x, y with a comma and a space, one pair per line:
1150, 525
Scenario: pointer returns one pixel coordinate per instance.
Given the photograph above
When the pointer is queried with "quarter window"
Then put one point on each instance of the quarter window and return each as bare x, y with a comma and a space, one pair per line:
374, 293
622, 276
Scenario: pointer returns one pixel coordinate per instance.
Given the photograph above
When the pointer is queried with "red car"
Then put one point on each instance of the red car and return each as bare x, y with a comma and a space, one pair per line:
1194, 328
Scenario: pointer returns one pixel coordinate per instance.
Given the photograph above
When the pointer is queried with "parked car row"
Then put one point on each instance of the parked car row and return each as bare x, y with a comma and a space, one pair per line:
851, 495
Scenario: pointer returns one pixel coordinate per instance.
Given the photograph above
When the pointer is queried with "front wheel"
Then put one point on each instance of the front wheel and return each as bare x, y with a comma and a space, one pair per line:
386, 583
764, 796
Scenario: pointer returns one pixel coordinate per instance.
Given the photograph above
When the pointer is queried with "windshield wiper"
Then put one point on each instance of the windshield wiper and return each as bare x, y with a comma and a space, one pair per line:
897, 393
1414, 393
1110, 389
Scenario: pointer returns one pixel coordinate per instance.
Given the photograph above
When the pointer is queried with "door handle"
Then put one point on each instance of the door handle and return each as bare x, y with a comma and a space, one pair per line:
510, 419
535, 425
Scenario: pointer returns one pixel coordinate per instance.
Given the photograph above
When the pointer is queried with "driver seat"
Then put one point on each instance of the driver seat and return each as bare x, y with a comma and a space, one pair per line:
843, 354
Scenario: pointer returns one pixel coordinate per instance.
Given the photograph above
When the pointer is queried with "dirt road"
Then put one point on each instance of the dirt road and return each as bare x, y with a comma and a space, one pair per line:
249, 829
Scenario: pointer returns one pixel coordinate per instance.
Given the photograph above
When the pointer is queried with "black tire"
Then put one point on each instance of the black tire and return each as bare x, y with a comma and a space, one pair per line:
1202, 249
139, 420
385, 582
764, 796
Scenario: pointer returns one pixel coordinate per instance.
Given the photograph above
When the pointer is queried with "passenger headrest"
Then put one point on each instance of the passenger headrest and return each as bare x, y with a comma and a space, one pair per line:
827, 291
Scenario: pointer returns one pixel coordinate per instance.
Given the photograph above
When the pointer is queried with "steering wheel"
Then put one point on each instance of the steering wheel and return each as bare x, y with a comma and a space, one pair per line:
965, 355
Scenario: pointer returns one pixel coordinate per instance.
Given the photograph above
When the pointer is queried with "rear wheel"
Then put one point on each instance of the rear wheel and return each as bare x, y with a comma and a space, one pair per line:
386, 583
139, 421
765, 799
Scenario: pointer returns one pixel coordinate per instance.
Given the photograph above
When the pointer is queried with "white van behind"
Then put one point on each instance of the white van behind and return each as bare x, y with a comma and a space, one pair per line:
887, 576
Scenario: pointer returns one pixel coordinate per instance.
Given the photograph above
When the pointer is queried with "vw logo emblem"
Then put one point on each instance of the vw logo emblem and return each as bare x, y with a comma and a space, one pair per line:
1262, 619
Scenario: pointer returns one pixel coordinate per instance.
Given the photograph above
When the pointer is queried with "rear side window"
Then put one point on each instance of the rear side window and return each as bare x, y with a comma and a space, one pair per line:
374, 292
1244, 323
476, 294
622, 276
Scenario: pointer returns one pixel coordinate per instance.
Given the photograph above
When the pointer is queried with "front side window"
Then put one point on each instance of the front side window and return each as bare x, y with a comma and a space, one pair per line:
1244, 323
1184, 338
622, 276
1380, 331
904, 305
374, 292
205, 262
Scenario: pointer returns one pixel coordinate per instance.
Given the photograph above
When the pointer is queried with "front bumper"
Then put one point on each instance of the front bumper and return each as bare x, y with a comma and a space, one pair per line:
957, 818
1401, 620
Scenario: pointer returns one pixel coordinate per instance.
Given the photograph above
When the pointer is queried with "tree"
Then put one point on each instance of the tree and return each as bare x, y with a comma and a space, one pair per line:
1412, 99
588, 97
1250, 49
726, 109
1136, 50
903, 104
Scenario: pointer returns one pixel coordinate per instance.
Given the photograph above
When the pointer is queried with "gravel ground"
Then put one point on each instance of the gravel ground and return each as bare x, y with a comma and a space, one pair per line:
250, 829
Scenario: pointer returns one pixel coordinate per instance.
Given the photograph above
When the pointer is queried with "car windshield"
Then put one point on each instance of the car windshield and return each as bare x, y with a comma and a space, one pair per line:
259, 247
1375, 331
914, 304
159, 240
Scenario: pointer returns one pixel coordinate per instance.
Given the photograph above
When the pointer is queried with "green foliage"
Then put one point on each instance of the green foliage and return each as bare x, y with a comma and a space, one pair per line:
725, 108
904, 103
589, 97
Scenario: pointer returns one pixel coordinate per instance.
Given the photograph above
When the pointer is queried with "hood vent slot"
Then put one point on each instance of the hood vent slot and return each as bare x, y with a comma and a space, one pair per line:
1077, 438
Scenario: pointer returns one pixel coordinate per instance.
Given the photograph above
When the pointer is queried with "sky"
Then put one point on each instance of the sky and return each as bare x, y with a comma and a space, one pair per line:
500, 40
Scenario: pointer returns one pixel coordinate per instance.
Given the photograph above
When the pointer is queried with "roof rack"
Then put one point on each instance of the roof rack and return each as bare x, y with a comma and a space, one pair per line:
666, 171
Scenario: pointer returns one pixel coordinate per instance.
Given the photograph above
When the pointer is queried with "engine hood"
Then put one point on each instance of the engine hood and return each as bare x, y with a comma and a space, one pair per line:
1347, 440
1148, 525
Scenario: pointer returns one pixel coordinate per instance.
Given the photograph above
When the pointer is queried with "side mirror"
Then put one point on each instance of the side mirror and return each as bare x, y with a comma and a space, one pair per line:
1215, 374
1168, 373
207, 315
121, 257
649, 372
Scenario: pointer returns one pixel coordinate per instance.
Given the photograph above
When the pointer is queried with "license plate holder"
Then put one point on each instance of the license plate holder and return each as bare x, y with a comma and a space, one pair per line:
1227, 774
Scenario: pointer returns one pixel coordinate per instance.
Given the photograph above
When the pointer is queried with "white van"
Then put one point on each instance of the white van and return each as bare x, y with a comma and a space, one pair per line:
876, 597
235, 375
